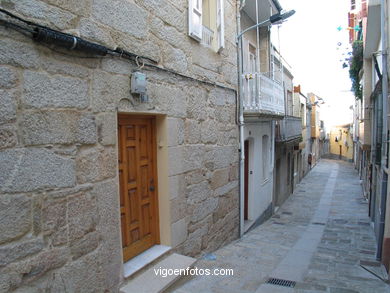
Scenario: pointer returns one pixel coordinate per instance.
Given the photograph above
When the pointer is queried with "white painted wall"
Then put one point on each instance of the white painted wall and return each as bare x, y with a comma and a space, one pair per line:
260, 190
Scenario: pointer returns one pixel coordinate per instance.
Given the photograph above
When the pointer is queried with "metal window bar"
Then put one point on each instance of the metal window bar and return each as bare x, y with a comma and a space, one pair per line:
207, 37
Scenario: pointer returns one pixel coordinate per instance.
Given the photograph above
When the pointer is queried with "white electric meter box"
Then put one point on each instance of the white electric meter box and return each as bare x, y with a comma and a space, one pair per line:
138, 83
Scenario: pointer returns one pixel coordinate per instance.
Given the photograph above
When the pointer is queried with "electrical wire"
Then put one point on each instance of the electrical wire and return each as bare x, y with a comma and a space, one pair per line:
31, 29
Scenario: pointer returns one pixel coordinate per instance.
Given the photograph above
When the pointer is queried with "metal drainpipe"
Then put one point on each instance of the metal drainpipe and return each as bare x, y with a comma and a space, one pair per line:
384, 129
240, 120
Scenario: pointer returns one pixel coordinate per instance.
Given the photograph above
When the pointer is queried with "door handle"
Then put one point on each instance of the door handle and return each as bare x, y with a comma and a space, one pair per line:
151, 188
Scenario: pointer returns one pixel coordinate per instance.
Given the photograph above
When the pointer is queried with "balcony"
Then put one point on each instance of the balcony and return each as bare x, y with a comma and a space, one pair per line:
288, 129
262, 95
207, 37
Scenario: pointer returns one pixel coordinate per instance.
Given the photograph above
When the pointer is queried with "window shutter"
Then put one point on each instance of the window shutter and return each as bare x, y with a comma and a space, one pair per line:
220, 25
195, 19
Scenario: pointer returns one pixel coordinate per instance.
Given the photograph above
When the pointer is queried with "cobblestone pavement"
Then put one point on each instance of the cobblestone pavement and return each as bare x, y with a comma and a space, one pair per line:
318, 238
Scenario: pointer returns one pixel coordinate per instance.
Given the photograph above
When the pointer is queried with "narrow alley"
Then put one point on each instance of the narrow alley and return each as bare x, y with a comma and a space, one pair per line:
320, 238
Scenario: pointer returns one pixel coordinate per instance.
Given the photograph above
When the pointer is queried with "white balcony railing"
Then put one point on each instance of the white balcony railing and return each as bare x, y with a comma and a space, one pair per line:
207, 37
262, 94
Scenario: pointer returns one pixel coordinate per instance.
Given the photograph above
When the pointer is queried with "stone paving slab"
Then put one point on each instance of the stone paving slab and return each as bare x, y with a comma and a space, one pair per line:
318, 237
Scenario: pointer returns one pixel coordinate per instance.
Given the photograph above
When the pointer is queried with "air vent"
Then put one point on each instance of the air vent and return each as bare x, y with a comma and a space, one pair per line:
281, 282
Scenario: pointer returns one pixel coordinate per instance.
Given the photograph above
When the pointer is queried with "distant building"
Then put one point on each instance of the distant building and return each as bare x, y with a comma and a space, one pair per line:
341, 142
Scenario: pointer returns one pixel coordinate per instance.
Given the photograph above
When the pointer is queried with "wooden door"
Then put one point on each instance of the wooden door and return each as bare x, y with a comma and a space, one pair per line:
138, 184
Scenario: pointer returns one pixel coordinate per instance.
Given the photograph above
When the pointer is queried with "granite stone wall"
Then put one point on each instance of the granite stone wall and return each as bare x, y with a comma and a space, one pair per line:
59, 195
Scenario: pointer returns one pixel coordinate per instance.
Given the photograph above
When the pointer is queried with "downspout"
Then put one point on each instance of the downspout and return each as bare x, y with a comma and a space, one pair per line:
384, 129
240, 119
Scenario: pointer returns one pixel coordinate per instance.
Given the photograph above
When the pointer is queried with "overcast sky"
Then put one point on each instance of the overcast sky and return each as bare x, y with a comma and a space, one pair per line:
310, 42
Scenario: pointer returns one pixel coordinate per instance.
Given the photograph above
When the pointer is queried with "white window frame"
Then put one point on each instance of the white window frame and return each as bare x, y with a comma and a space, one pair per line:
220, 26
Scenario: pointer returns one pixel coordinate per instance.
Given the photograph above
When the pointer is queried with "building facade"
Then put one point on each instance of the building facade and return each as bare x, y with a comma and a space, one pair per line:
341, 143
288, 136
263, 104
94, 170
371, 110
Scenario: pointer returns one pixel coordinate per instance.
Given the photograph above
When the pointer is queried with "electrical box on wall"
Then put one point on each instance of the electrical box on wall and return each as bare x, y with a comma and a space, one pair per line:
138, 85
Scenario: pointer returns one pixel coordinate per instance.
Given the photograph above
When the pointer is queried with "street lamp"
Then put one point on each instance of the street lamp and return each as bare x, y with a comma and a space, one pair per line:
276, 18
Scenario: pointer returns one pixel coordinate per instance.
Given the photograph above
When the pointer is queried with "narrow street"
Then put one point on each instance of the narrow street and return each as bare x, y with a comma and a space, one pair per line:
319, 238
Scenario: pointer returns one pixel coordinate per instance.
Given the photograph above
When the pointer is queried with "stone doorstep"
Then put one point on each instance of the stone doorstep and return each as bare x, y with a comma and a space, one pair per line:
144, 259
149, 282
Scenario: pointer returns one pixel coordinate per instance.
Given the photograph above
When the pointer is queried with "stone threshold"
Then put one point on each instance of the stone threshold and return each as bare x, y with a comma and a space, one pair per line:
156, 279
145, 258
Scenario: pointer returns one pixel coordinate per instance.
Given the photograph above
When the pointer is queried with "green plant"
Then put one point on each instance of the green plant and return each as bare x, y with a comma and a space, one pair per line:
355, 65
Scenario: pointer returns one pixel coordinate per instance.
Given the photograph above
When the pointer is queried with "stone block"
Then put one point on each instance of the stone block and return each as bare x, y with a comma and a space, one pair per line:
8, 106
169, 34
54, 66
47, 14
107, 128
35, 267
174, 59
54, 223
96, 164
192, 131
221, 97
196, 104
233, 172
58, 127
95, 33
168, 98
118, 66
175, 131
206, 207
82, 275
43, 91
226, 204
197, 176
18, 54
84, 245
219, 157
82, 215
108, 89
107, 198
75, 6
16, 251
8, 137
164, 10
179, 232
126, 17
24, 170
177, 186
8, 77
209, 132
219, 178
178, 209
15, 215
198, 192
220, 191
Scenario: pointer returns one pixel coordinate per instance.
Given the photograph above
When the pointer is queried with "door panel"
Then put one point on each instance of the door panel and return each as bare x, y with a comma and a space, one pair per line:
137, 176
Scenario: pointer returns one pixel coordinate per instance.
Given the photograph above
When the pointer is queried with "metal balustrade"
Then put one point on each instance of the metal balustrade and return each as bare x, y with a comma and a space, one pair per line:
262, 94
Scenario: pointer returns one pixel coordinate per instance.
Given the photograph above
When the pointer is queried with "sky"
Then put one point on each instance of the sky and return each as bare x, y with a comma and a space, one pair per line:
313, 46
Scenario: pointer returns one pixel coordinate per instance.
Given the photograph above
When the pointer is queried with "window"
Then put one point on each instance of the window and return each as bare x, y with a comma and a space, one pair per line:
206, 23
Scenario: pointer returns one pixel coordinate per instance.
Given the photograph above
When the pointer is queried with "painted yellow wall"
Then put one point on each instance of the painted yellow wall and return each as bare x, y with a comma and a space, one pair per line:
345, 142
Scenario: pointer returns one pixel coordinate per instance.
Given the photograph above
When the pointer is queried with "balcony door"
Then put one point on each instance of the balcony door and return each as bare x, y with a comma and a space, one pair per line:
250, 68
